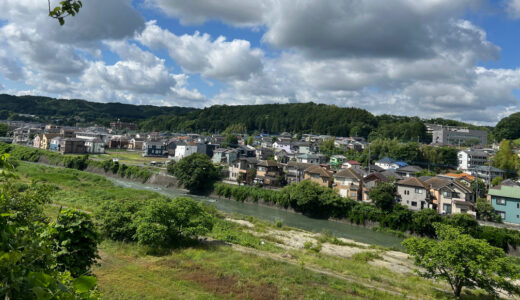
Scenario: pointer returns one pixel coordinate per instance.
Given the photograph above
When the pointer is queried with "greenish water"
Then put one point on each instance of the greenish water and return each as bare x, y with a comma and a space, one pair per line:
345, 230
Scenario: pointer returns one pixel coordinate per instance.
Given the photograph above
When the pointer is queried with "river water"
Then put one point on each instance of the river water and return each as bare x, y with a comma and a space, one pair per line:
345, 230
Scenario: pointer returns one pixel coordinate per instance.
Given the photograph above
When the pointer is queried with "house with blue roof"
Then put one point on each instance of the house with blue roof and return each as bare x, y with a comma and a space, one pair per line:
505, 199
390, 163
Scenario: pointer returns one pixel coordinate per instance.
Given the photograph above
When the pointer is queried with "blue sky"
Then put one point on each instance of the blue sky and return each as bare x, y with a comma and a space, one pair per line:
431, 58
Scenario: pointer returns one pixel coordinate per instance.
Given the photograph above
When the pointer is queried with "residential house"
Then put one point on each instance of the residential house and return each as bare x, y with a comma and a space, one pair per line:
461, 177
349, 184
308, 158
37, 141
295, 171
354, 164
413, 193
72, 146
241, 166
392, 175
154, 148
285, 137
55, 144
337, 160
185, 149
408, 171
450, 196
269, 173
282, 157
264, 153
387, 163
136, 144
487, 173
246, 151
505, 199
118, 142
45, 142
469, 159
282, 146
320, 175
301, 147
369, 182
94, 146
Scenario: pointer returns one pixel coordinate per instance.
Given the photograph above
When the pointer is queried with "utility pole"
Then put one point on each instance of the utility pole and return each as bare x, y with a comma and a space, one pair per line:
369, 159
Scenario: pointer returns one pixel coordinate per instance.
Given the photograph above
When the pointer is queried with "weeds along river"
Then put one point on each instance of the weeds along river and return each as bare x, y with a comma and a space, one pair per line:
345, 230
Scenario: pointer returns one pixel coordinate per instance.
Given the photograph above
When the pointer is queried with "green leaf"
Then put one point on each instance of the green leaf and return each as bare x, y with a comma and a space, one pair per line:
84, 284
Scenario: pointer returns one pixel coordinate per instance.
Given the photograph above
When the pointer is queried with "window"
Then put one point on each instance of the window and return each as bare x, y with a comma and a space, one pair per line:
455, 195
414, 203
518, 205
500, 201
502, 214
446, 209
446, 194
418, 191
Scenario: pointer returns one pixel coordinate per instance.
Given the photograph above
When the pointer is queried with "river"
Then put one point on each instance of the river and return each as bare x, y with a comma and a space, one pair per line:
345, 230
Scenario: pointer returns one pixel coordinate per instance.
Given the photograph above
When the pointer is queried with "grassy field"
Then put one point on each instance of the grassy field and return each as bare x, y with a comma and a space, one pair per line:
127, 157
237, 260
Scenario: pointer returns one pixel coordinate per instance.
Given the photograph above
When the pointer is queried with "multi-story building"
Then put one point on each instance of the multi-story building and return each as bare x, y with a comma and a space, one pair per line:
468, 159
319, 174
450, 196
453, 135
349, 184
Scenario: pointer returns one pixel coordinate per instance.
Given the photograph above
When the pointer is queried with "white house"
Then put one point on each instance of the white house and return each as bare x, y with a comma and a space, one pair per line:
95, 146
182, 151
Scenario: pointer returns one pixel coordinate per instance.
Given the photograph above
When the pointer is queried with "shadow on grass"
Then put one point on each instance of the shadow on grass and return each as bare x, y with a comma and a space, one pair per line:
201, 243
466, 295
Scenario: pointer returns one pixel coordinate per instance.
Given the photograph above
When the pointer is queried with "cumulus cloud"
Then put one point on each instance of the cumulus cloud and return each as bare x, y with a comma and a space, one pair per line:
197, 53
236, 12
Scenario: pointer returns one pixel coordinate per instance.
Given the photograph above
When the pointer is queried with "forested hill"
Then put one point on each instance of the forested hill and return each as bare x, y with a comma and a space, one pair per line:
294, 118
270, 118
70, 112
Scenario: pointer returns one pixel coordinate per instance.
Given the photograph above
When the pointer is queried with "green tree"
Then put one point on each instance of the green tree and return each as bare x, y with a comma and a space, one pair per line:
383, 196
478, 186
423, 221
508, 127
28, 253
486, 211
231, 140
163, 222
463, 261
250, 176
196, 172
496, 181
3, 129
251, 140
76, 241
506, 159
65, 9
116, 219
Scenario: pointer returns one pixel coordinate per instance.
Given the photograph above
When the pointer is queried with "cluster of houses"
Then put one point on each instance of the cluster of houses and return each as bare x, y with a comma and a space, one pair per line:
273, 162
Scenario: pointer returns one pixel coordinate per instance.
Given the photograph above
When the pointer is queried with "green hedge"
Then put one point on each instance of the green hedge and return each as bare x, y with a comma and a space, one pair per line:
314, 200
78, 162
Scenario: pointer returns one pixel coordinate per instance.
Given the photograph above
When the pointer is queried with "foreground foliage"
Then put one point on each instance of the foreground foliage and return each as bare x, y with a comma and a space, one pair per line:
464, 261
36, 262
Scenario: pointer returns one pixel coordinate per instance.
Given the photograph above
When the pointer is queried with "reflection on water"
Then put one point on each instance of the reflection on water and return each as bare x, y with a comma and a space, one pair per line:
353, 232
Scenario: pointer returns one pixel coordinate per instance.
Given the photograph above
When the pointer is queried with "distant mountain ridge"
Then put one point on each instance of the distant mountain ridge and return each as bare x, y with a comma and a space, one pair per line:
272, 118
70, 112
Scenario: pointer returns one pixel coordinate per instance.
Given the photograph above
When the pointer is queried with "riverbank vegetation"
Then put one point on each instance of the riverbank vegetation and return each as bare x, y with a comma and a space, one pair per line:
246, 258
78, 162
311, 199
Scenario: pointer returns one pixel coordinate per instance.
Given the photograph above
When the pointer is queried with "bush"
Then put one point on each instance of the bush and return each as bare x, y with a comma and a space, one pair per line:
76, 241
116, 219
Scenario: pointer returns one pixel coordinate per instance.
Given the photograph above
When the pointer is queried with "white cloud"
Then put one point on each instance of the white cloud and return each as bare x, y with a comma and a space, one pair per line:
236, 12
197, 53
513, 8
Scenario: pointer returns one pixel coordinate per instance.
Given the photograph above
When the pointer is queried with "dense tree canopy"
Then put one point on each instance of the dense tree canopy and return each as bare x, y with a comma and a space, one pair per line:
196, 172
508, 127
506, 159
464, 261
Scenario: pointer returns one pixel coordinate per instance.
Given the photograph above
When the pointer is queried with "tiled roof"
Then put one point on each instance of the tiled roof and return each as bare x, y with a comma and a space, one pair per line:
437, 182
413, 181
349, 173
315, 169
268, 163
